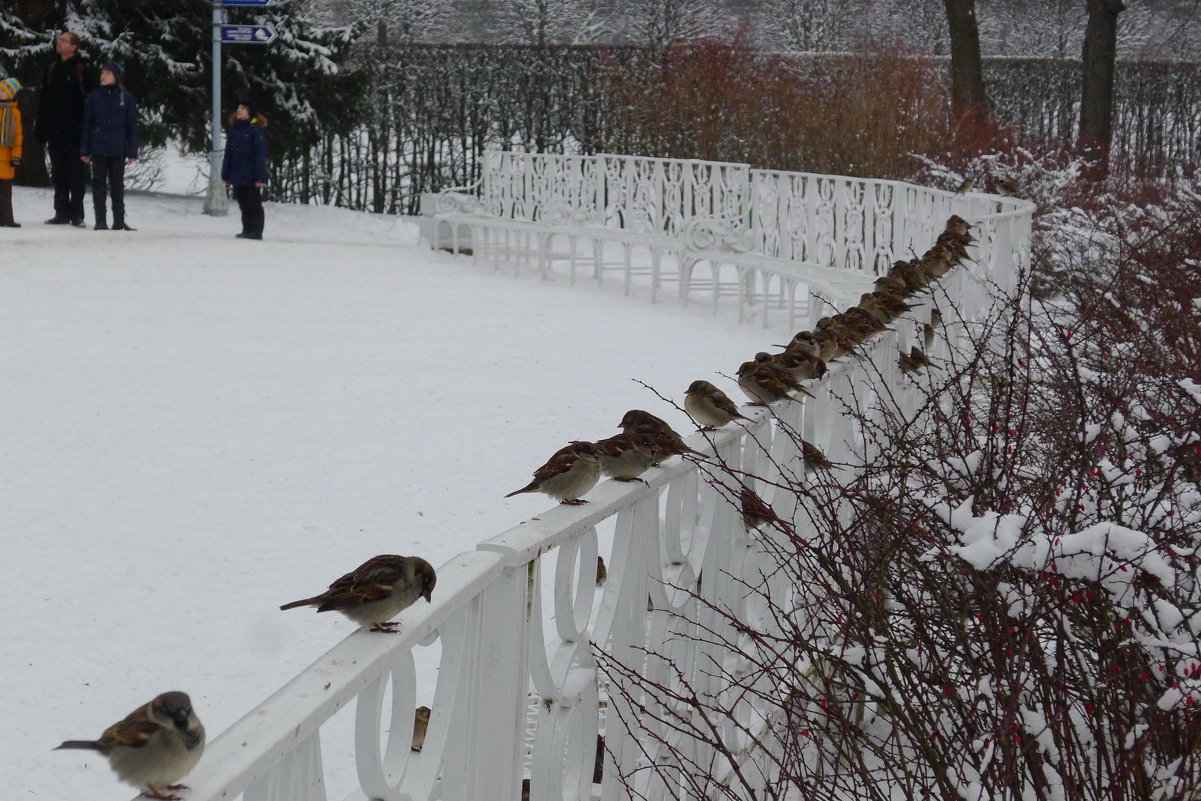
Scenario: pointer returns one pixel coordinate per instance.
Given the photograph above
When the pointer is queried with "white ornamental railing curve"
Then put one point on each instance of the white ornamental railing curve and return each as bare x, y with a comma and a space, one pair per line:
517, 693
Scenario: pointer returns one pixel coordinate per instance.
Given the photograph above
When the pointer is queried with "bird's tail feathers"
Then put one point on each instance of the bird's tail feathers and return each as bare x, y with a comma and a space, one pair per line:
302, 602
527, 488
82, 745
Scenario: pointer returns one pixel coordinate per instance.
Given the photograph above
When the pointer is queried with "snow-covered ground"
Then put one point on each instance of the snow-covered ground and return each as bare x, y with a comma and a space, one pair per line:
195, 429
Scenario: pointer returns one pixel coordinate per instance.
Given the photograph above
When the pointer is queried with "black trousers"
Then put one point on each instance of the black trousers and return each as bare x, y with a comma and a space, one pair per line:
66, 170
6, 200
250, 201
108, 175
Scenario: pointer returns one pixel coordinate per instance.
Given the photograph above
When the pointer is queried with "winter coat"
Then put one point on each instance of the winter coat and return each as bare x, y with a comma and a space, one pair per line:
60, 112
245, 161
110, 124
7, 154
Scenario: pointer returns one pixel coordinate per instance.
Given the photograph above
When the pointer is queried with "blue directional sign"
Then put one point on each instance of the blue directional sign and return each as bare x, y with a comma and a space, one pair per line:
230, 3
246, 34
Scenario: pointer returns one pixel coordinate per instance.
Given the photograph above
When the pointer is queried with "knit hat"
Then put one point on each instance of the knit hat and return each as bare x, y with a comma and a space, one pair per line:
114, 67
9, 88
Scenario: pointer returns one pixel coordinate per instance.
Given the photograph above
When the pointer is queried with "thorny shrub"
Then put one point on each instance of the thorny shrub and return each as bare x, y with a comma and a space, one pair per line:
1004, 601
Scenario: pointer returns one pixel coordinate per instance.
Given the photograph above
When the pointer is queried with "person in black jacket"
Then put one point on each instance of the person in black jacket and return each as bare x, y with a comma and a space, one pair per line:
60, 113
109, 141
245, 166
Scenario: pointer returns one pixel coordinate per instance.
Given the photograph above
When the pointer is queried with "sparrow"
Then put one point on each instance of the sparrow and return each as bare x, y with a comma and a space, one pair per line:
766, 383
964, 187
915, 359
709, 406
755, 511
803, 342
624, 457
1006, 188
568, 474
813, 455
421, 722
833, 344
930, 330
377, 591
602, 575
669, 443
803, 366
155, 746
958, 225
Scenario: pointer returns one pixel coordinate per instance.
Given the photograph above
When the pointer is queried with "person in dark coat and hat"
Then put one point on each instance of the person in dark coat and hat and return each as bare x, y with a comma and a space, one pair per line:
245, 166
109, 142
60, 112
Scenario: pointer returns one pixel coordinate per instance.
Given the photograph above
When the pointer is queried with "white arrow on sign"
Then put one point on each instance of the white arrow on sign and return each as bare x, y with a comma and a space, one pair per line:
246, 34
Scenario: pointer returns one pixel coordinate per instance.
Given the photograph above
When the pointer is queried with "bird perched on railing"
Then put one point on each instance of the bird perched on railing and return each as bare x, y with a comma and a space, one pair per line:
765, 383
965, 186
1005, 188
624, 457
709, 406
885, 306
569, 473
154, 746
802, 365
376, 591
803, 342
667, 440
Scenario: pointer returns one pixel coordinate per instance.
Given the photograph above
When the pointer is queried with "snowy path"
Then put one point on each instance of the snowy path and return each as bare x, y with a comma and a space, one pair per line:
195, 429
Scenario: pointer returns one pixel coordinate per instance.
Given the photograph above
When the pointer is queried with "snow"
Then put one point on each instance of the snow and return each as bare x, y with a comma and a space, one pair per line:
195, 429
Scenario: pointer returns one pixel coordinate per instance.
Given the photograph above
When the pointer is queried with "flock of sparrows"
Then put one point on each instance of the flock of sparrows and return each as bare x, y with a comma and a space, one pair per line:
769, 377
158, 743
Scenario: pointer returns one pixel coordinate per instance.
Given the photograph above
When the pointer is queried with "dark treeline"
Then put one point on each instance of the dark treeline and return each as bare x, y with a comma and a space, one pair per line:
429, 112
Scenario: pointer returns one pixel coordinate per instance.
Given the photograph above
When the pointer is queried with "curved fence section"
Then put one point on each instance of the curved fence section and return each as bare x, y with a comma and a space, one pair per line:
520, 708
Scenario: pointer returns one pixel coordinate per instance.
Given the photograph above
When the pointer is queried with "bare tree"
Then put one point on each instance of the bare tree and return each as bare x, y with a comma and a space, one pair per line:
1040, 28
545, 22
1096, 100
969, 101
916, 25
807, 25
659, 23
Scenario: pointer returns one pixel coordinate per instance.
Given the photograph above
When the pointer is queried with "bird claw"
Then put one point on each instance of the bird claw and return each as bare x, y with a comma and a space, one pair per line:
151, 792
385, 628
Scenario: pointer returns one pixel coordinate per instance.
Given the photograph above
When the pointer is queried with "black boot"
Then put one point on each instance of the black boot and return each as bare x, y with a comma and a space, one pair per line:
119, 224
101, 219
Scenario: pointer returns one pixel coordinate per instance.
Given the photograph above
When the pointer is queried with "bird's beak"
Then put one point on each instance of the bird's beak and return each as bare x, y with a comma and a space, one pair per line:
427, 596
191, 738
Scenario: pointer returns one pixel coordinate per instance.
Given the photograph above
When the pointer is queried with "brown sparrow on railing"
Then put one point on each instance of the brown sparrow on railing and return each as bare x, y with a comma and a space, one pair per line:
709, 406
376, 591
568, 474
766, 383
624, 457
670, 443
154, 746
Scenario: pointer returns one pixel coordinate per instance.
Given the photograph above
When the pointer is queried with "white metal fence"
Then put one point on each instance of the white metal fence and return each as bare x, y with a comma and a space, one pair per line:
517, 620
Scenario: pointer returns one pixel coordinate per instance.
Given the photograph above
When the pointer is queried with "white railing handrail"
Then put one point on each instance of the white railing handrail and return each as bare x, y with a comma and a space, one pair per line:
497, 651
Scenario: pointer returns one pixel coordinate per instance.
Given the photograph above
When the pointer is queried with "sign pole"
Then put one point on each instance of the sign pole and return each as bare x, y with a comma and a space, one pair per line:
217, 202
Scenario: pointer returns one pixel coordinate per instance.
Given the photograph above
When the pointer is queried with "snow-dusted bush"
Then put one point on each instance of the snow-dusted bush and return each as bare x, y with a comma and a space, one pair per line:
1004, 601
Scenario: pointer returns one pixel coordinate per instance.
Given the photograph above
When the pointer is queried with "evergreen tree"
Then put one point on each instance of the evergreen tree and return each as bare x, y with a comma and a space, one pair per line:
166, 47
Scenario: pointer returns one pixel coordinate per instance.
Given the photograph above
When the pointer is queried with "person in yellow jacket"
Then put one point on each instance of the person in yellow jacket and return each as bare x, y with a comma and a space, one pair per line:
11, 139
